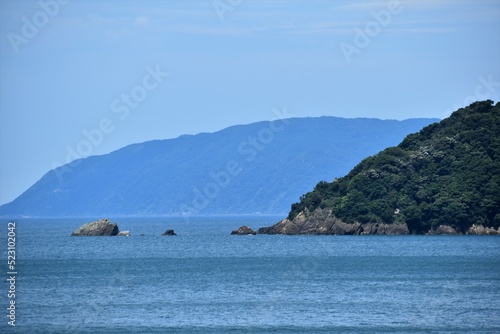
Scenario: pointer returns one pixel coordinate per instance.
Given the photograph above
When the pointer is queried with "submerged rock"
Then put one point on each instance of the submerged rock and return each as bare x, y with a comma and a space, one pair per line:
102, 227
169, 232
124, 234
244, 230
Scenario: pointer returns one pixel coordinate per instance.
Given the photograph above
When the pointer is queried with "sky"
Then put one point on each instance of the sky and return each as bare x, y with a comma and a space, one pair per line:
80, 78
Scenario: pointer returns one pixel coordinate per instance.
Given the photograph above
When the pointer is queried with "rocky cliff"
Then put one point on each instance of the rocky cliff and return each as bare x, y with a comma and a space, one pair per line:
322, 221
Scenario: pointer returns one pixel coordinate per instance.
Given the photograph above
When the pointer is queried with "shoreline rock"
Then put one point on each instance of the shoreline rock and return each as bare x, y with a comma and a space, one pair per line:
101, 227
244, 230
443, 230
323, 222
169, 233
481, 230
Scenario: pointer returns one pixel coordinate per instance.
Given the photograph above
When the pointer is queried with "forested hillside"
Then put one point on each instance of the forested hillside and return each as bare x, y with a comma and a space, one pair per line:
446, 174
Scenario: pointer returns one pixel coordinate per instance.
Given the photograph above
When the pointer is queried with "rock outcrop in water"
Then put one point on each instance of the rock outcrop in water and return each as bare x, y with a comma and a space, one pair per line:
169, 233
244, 230
324, 222
102, 227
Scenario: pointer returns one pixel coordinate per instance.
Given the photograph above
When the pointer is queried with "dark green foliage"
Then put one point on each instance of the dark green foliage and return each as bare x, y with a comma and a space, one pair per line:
448, 173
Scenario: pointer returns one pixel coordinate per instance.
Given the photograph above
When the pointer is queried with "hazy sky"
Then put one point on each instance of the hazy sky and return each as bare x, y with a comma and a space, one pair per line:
89, 77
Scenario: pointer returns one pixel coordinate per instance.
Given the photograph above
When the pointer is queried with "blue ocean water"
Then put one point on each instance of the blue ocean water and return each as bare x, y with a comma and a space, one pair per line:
207, 281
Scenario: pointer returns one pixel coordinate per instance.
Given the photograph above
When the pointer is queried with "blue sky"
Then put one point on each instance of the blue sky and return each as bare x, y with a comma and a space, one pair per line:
89, 77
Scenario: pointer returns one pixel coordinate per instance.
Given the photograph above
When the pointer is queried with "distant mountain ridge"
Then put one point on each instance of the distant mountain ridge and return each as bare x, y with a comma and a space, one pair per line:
260, 167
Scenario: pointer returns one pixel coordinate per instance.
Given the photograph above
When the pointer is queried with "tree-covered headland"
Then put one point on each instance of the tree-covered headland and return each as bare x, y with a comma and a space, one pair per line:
446, 174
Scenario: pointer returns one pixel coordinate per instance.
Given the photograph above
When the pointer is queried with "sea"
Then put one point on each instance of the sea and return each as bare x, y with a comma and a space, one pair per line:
205, 280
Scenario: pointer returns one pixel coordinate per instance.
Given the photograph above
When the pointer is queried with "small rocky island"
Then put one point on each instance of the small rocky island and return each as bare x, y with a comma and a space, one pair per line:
244, 230
169, 233
102, 227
